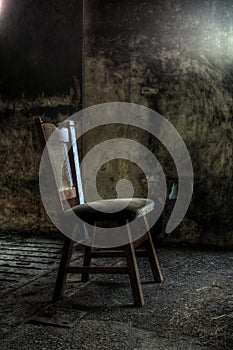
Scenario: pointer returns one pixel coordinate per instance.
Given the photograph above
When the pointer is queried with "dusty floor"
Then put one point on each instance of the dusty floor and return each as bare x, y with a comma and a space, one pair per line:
192, 309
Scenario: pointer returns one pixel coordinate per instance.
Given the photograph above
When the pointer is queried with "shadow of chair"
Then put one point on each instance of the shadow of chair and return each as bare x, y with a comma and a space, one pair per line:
137, 207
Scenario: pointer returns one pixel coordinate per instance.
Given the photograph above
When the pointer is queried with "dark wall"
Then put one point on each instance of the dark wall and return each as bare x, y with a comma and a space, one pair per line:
41, 47
40, 55
176, 57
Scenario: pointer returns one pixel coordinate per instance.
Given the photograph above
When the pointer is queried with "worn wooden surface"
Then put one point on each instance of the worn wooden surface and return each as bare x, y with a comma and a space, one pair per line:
24, 260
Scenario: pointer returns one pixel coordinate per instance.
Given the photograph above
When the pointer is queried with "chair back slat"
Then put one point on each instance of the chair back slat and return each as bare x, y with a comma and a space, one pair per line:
62, 145
61, 135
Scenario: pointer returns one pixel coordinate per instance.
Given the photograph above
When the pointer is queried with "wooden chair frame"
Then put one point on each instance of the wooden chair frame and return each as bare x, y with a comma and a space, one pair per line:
128, 251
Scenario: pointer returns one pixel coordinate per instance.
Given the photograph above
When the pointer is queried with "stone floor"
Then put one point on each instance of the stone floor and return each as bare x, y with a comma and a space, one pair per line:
192, 309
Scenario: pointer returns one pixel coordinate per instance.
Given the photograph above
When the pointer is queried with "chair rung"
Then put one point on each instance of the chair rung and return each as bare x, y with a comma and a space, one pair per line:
107, 254
115, 253
98, 269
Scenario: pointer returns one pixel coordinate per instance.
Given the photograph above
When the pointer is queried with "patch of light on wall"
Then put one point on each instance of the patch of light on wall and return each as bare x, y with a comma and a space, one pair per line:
216, 40
2, 5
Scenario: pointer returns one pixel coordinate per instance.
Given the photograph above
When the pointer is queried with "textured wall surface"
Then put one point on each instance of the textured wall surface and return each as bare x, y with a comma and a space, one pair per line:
21, 209
175, 57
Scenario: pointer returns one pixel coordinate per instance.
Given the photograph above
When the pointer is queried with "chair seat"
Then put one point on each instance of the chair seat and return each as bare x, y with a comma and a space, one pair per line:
108, 211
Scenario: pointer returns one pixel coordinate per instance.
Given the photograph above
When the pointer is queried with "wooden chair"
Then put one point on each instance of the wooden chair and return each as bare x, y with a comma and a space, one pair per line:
137, 207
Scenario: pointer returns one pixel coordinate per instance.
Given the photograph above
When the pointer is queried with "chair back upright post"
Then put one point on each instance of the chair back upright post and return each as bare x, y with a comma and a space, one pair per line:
75, 162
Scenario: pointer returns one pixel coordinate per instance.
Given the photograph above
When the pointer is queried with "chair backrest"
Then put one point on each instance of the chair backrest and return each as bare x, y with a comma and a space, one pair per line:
57, 145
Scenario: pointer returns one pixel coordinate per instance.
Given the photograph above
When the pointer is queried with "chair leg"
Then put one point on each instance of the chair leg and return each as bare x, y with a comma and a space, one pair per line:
87, 257
134, 274
62, 276
86, 262
152, 255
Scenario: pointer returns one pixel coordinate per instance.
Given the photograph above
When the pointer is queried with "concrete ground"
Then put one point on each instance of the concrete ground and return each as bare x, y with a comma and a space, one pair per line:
192, 309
